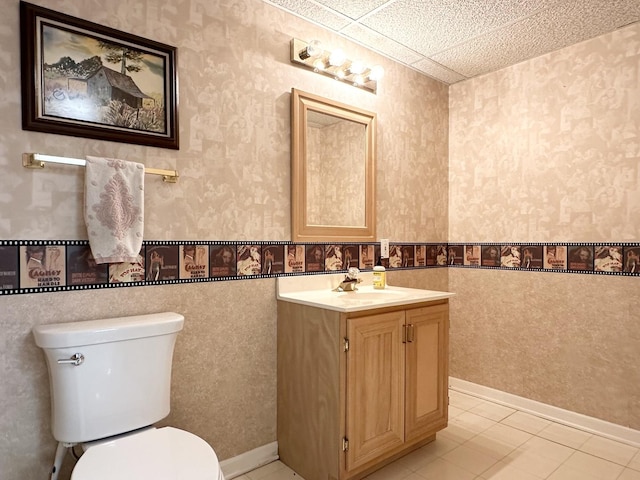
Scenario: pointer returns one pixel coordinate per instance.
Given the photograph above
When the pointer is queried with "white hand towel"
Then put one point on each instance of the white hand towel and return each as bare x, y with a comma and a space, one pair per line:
114, 209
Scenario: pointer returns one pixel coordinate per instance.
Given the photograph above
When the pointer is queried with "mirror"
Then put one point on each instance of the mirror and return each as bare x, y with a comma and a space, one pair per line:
332, 170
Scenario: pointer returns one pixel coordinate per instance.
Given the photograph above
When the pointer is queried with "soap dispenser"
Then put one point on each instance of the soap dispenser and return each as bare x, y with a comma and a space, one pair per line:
379, 275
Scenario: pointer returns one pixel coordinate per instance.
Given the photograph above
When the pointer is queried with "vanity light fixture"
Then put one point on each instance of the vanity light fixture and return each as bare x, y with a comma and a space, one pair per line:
335, 64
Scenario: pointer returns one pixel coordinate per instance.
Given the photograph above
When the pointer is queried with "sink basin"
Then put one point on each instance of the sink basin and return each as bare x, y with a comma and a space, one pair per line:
317, 291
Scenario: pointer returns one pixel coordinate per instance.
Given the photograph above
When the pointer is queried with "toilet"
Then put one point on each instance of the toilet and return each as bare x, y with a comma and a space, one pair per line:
110, 382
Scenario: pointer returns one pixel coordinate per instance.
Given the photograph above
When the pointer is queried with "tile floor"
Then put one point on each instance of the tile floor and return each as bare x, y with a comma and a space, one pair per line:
487, 441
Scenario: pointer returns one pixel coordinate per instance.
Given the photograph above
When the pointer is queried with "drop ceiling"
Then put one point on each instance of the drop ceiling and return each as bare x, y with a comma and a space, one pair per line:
453, 40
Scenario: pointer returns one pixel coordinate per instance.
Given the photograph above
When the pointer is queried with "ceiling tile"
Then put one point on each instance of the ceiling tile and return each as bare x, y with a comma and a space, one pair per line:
313, 12
429, 27
549, 30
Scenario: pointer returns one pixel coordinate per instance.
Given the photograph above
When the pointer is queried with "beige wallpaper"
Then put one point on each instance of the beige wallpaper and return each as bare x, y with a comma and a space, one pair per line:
549, 150
567, 340
235, 80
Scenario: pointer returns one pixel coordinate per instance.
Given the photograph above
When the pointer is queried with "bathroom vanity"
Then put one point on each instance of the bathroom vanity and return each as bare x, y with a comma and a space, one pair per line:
362, 376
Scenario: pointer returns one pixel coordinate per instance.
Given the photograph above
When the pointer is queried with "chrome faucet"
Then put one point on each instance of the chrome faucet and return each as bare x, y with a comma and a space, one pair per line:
350, 281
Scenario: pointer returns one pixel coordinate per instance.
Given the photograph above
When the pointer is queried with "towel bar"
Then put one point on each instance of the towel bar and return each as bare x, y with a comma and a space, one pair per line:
38, 160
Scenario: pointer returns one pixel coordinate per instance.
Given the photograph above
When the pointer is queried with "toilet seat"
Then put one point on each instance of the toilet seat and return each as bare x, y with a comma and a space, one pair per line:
165, 453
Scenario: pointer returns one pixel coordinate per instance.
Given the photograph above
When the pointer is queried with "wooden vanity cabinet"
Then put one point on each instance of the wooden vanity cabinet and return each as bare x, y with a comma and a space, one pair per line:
358, 390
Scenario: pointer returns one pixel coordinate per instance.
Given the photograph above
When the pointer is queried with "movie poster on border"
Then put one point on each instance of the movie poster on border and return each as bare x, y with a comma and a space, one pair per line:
9, 268
332, 258
249, 260
367, 257
510, 256
223, 260
295, 259
472, 255
42, 266
421, 256
531, 256
432, 255
491, 256
350, 257
194, 261
580, 257
272, 259
82, 268
395, 256
632, 259
608, 258
408, 255
314, 257
455, 255
555, 257
163, 262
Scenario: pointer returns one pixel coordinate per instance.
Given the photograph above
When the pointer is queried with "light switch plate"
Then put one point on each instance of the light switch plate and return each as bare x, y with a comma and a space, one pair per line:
384, 247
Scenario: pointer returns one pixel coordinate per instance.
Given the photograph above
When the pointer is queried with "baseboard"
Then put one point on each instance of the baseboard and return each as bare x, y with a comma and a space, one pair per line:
585, 423
245, 462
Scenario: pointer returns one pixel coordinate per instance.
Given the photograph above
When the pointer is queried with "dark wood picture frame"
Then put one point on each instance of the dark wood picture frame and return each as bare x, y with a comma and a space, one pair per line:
69, 87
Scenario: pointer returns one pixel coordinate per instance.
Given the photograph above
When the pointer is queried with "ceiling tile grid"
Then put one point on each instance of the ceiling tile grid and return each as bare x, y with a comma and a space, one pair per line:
452, 40
353, 9
436, 70
313, 12
384, 45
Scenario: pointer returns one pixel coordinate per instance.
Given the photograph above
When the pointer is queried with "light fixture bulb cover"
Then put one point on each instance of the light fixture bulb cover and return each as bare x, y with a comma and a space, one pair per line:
337, 58
314, 48
377, 72
357, 67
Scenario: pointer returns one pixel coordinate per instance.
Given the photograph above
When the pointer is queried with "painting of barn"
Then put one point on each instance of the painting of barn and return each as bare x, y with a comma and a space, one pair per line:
106, 85
91, 81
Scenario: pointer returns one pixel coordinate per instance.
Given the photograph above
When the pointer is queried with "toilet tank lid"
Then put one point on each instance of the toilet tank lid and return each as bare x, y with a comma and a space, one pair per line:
91, 332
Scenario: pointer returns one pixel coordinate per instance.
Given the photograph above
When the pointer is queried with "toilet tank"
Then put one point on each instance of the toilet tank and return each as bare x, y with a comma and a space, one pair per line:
121, 383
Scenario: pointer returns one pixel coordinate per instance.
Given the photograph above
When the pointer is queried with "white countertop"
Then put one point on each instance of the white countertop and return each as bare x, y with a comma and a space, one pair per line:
318, 291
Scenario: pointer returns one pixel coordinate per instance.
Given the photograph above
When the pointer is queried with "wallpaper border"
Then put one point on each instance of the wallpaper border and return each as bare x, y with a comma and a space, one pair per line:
39, 266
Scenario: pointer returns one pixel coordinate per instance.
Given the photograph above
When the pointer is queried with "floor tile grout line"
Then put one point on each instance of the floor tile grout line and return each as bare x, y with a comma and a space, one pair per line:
550, 422
458, 438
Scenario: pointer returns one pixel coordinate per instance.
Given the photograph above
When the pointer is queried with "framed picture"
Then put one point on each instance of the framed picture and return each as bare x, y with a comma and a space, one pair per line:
87, 80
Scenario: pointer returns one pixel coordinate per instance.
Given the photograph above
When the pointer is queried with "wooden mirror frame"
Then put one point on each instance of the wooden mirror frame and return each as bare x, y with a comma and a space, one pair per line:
301, 230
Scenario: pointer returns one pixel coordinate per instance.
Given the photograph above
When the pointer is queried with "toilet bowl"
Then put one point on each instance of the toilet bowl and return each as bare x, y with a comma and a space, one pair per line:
165, 453
110, 383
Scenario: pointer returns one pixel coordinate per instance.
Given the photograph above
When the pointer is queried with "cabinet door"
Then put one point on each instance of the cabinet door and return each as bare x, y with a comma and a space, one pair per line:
426, 370
375, 387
